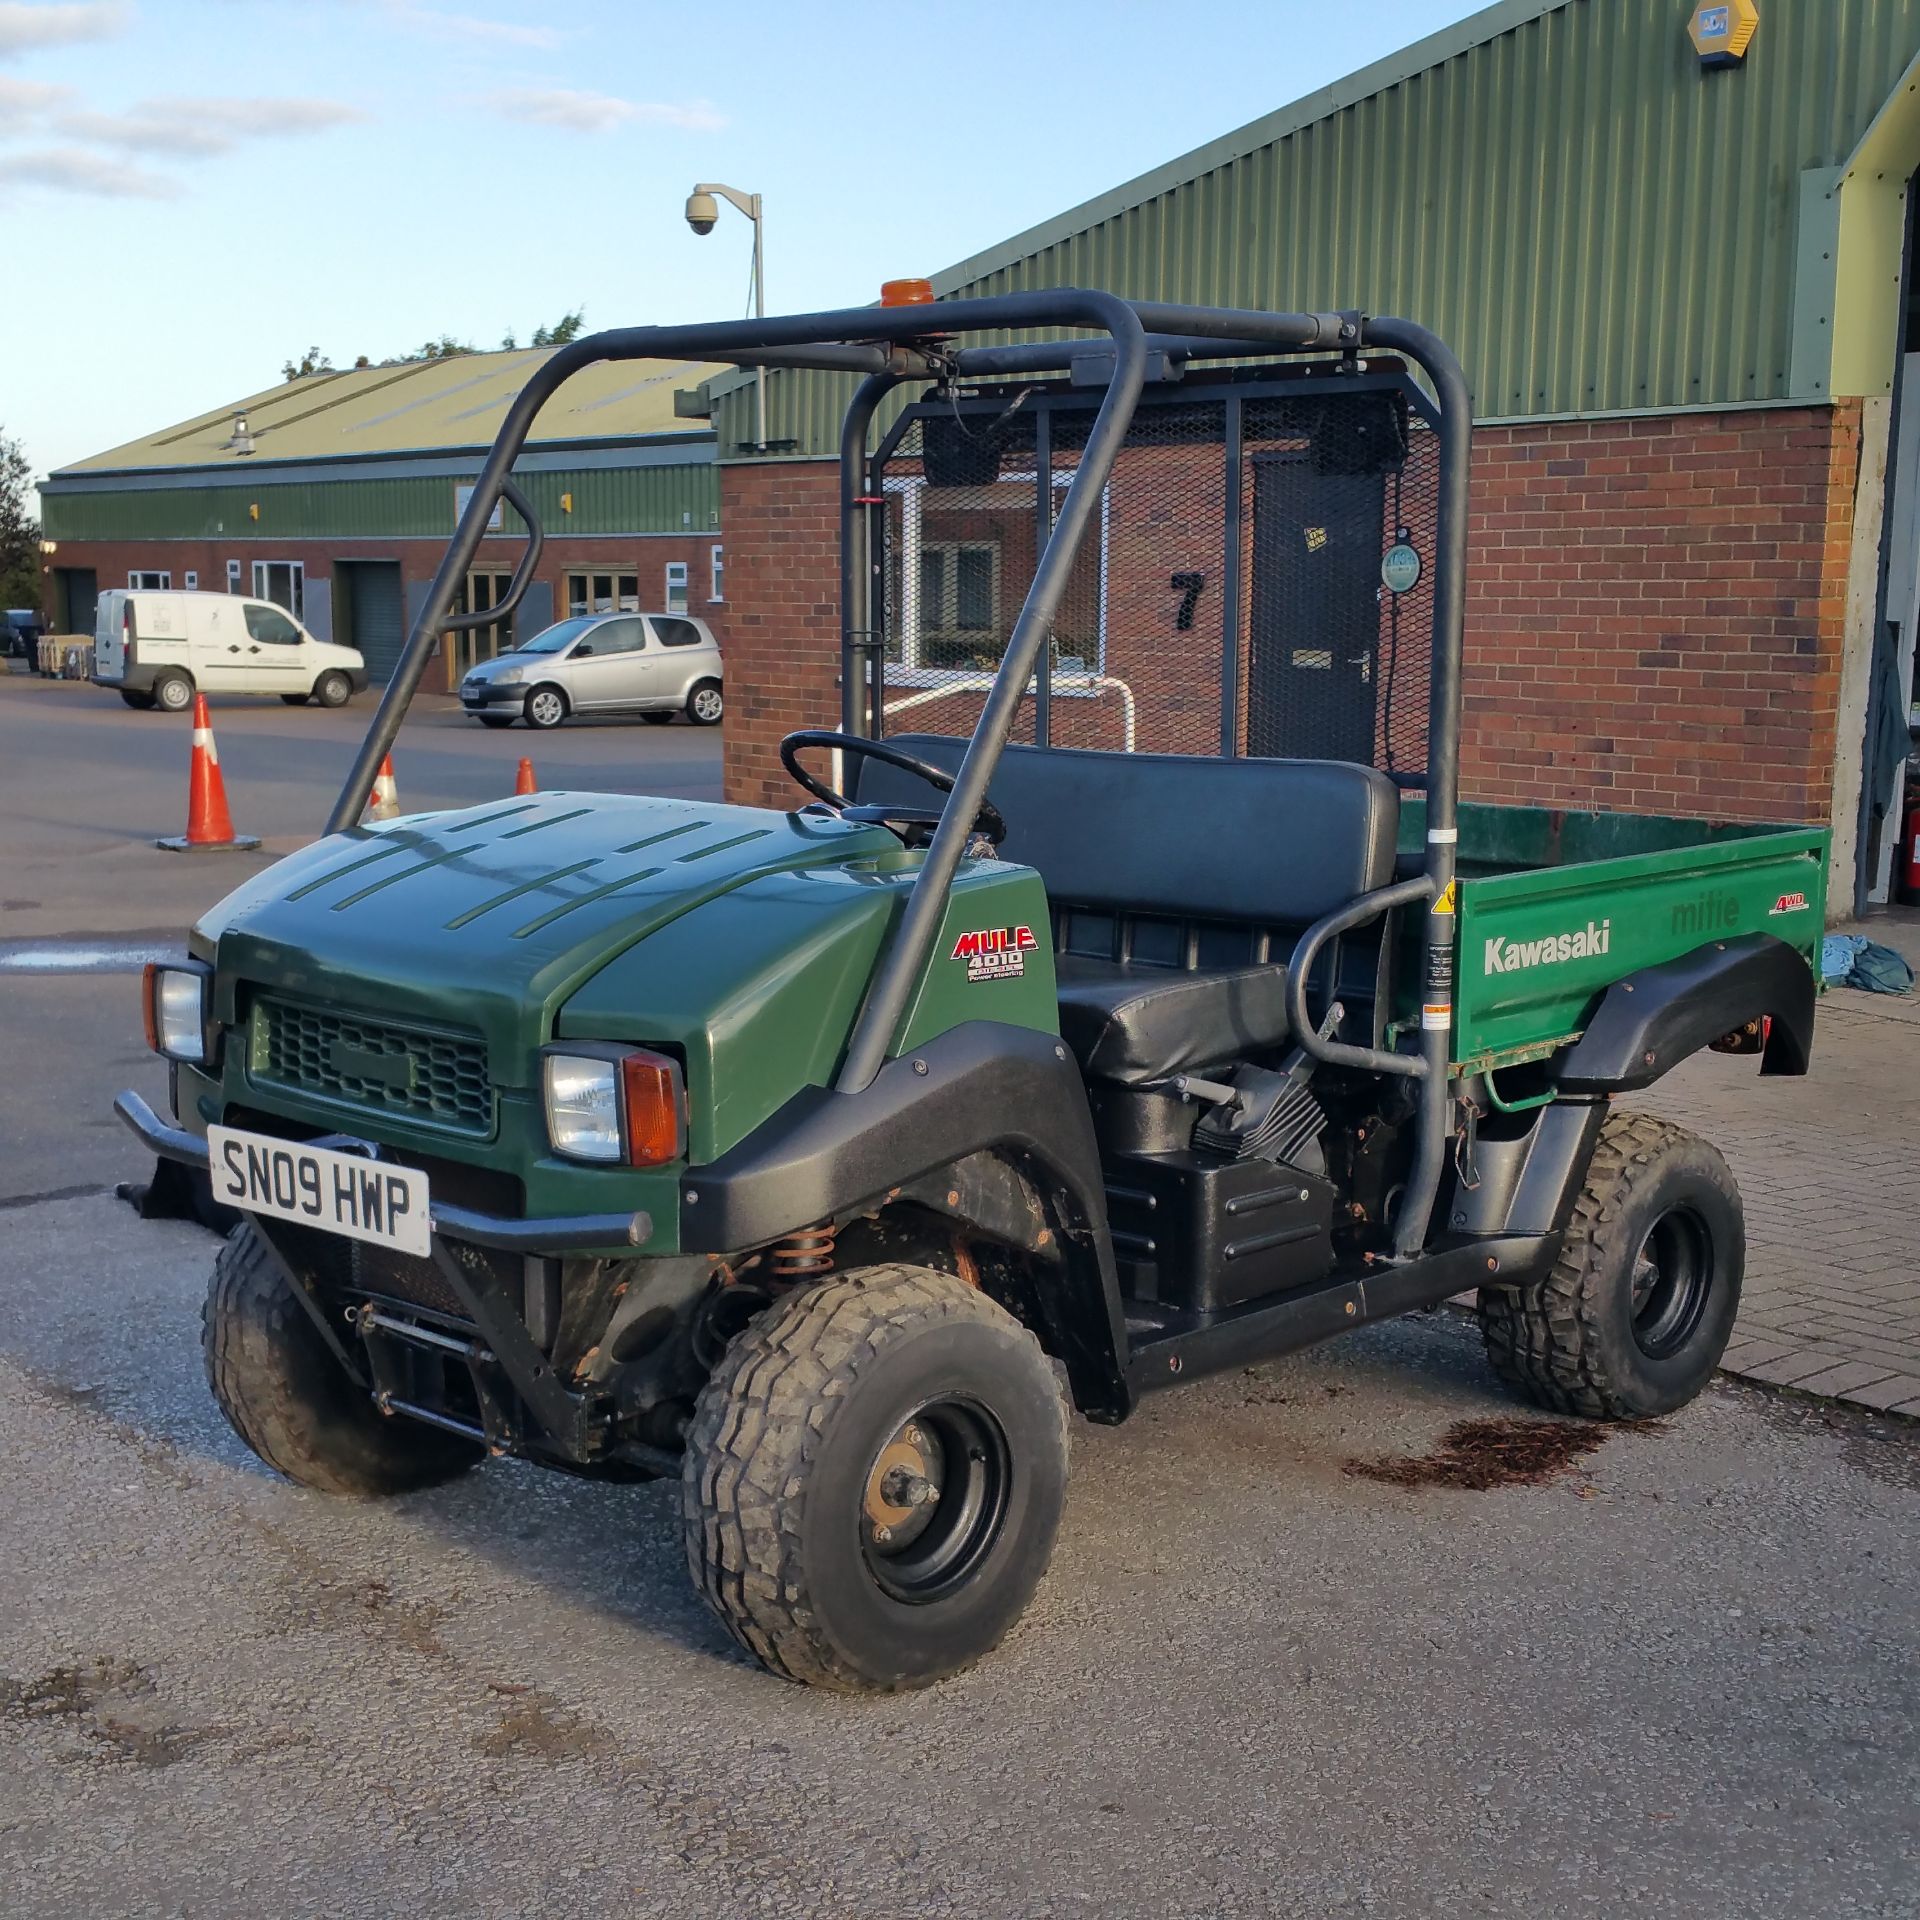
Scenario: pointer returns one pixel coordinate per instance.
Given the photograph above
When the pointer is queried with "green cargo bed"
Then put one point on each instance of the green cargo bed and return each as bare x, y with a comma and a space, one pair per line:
1554, 907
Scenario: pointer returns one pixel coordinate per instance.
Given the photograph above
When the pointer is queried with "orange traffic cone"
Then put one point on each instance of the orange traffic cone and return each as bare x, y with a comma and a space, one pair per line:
385, 803
524, 782
209, 824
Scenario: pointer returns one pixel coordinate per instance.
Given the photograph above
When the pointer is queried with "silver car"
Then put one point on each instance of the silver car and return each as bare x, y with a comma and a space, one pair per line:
652, 664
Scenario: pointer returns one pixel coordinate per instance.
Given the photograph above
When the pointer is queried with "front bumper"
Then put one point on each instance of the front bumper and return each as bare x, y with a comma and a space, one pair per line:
570, 1427
568, 1233
476, 699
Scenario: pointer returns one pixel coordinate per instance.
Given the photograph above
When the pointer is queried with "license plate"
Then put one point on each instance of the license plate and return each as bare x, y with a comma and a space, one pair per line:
343, 1193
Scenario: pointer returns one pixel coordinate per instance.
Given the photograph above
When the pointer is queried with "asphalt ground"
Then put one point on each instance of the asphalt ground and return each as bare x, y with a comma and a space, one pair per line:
1300, 1652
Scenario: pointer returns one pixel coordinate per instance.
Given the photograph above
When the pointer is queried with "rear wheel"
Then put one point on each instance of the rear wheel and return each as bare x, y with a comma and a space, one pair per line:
546, 707
173, 693
706, 704
1639, 1307
874, 1478
333, 689
144, 701
289, 1399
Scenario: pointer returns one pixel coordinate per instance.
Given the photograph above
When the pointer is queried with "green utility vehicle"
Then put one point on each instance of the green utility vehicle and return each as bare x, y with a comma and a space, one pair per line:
822, 1159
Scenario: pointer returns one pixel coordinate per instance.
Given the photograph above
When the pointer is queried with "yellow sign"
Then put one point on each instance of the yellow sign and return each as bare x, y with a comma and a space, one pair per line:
1722, 31
1316, 539
1448, 901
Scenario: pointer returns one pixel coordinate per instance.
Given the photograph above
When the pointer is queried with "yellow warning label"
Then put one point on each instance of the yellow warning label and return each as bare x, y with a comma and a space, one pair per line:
1316, 539
1449, 902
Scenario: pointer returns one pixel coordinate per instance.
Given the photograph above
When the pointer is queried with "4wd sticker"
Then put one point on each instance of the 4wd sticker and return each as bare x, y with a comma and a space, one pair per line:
995, 953
1789, 903
1516, 956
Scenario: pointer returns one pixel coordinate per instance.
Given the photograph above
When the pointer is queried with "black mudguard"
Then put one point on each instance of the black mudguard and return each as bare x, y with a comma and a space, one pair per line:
1652, 1020
978, 1087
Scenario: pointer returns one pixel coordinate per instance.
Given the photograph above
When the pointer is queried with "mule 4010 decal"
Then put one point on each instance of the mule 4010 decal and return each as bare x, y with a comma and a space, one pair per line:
995, 953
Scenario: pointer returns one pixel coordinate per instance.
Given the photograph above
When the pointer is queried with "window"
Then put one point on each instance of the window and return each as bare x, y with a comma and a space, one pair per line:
676, 633
613, 636
284, 582
717, 573
676, 586
602, 593
271, 627
957, 563
193, 583
151, 582
233, 576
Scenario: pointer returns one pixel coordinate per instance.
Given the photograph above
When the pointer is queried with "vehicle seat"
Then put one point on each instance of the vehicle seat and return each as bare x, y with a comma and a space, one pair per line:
1178, 886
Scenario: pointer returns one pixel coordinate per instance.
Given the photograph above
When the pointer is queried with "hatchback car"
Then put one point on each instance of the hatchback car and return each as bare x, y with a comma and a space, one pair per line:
652, 664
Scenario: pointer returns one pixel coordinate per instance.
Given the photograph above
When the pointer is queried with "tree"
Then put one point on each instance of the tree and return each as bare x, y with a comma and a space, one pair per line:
312, 361
568, 327
445, 348
19, 530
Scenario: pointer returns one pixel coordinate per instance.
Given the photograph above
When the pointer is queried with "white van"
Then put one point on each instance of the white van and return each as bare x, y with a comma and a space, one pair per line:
156, 649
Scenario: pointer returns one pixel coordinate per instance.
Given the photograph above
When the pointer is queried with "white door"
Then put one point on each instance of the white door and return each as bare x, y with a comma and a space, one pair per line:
274, 654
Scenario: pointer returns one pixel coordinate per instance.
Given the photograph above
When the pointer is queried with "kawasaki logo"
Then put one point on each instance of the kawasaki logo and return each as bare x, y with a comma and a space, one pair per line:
1516, 956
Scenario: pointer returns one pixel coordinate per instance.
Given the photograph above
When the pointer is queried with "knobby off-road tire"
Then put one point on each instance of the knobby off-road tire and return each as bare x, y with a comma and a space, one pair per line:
1637, 1311
289, 1399
807, 1521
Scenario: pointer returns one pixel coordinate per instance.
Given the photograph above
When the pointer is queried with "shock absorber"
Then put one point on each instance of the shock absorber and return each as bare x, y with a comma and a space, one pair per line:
804, 1255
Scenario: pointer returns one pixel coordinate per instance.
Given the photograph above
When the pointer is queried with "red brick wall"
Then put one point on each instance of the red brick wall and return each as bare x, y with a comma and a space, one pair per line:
1655, 615
1656, 612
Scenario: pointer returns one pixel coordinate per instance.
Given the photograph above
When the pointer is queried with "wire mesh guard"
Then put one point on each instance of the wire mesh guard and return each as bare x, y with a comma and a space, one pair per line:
1258, 578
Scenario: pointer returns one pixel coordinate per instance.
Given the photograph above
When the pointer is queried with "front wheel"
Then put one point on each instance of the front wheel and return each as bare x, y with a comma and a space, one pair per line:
706, 704
1639, 1307
874, 1478
546, 707
289, 1399
333, 689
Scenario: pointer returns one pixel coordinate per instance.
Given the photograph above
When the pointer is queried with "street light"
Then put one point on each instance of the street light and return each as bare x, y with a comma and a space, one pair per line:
703, 214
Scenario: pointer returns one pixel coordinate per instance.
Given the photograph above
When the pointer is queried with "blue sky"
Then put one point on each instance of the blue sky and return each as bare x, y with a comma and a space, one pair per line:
193, 191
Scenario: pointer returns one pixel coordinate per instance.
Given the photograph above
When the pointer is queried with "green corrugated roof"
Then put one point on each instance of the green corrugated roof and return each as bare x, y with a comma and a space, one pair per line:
1593, 223
427, 406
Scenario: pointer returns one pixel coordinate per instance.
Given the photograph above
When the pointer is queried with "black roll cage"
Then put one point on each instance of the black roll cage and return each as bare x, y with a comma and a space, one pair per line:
892, 345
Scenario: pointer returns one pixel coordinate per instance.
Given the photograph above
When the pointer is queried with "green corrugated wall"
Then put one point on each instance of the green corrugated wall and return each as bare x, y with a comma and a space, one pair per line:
1592, 222
663, 499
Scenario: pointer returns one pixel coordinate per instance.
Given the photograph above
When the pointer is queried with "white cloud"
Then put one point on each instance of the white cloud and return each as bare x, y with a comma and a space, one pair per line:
473, 28
181, 126
599, 112
26, 99
75, 170
26, 29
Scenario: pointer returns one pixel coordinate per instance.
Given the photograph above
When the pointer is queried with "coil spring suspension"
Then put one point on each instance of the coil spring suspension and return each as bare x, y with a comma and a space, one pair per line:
803, 1255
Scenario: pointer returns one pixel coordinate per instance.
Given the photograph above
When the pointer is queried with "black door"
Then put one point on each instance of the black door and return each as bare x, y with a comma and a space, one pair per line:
79, 594
367, 613
1317, 542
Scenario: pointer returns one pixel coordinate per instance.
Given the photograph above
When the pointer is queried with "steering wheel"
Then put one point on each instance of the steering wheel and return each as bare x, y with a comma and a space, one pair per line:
914, 825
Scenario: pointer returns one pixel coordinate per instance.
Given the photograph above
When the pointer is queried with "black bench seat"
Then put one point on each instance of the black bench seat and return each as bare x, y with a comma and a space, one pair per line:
1178, 886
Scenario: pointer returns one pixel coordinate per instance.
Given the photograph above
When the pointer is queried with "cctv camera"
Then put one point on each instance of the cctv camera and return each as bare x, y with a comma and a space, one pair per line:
703, 212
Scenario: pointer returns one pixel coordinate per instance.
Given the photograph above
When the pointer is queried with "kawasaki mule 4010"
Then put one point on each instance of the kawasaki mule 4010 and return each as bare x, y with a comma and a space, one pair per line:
822, 1159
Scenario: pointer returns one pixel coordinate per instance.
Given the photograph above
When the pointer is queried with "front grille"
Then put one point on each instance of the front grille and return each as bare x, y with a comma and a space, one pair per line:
436, 1078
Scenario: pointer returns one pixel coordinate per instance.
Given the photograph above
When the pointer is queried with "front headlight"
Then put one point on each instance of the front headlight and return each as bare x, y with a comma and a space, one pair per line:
583, 1106
622, 1104
507, 676
176, 1012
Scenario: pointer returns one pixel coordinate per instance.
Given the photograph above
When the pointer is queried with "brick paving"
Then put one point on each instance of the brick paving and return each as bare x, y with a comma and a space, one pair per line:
1830, 1169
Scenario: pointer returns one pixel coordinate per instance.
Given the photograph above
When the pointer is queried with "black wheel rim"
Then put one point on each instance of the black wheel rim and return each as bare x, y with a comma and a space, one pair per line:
935, 1500
1672, 1276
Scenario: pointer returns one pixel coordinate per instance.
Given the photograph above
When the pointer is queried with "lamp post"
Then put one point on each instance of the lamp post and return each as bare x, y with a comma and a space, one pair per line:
703, 212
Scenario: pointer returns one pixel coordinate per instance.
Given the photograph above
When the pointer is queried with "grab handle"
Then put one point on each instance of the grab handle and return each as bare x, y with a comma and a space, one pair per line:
1306, 951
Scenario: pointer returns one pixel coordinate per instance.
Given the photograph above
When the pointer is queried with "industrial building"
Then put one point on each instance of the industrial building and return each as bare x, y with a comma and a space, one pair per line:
1671, 245
333, 495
